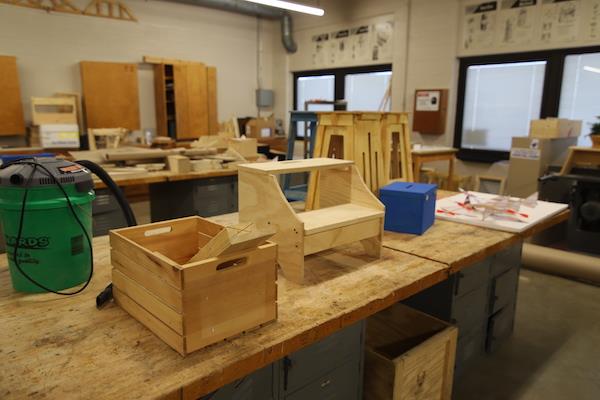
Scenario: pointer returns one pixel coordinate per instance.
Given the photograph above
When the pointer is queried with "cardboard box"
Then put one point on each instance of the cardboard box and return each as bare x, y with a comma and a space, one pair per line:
550, 128
529, 159
409, 207
55, 136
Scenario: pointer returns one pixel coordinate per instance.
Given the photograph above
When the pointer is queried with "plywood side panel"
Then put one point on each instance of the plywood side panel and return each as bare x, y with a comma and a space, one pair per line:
110, 95
197, 95
213, 115
182, 105
11, 109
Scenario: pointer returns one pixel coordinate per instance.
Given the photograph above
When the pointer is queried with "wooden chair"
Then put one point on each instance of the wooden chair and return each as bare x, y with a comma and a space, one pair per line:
110, 137
348, 211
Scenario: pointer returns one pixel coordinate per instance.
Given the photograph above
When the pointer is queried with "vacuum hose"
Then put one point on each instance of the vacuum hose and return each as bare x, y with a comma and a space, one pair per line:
113, 187
97, 170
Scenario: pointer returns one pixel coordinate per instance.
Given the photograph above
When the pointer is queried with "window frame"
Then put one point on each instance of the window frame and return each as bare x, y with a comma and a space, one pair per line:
339, 77
550, 94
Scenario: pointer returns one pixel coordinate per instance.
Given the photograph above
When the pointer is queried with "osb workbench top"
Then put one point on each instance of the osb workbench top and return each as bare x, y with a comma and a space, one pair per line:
54, 347
460, 245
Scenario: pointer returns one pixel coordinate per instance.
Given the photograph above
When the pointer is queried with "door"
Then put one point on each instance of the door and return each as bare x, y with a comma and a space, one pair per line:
191, 94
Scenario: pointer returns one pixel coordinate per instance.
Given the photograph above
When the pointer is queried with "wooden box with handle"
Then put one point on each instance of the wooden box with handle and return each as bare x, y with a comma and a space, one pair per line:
193, 282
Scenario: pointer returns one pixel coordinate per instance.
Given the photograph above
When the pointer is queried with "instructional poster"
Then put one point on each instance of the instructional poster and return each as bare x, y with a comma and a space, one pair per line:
480, 20
358, 44
516, 21
559, 20
594, 20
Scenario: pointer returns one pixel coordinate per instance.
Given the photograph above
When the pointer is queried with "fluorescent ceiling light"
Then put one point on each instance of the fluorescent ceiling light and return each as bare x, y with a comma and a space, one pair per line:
287, 5
592, 69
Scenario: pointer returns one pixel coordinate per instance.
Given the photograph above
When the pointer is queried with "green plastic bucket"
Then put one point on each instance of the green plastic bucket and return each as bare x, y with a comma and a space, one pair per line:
53, 249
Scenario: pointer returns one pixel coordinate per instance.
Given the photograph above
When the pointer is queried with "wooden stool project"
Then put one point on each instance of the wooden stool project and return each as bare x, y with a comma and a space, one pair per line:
349, 211
375, 141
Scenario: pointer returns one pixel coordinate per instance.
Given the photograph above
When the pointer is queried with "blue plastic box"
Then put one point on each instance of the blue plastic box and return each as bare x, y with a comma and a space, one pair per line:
409, 207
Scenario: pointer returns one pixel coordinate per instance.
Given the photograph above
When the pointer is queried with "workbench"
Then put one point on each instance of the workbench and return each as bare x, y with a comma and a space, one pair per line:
56, 346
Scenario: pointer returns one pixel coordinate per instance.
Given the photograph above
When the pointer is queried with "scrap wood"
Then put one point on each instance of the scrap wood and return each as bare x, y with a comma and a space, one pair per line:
232, 239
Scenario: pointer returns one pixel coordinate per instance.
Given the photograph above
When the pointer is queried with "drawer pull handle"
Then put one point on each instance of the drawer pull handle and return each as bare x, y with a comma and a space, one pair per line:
325, 383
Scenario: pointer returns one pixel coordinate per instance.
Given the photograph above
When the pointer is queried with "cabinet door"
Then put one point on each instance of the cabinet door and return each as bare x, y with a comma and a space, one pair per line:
191, 106
110, 95
11, 109
160, 99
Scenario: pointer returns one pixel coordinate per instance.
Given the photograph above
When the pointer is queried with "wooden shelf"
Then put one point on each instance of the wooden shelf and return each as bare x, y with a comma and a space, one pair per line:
291, 166
325, 219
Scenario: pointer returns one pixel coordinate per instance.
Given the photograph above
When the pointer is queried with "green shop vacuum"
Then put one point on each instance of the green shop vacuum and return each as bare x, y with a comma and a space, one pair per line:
46, 214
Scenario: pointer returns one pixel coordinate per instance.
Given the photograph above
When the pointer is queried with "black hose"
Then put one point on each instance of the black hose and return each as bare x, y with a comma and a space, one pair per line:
97, 170
113, 187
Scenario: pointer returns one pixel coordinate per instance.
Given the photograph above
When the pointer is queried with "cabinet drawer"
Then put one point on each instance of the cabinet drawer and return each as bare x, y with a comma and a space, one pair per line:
500, 327
506, 259
472, 278
471, 310
308, 364
341, 383
259, 385
504, 289
469, 347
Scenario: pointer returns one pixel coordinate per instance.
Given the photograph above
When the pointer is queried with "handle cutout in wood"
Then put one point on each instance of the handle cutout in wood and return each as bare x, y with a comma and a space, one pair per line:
236, 262
158, 231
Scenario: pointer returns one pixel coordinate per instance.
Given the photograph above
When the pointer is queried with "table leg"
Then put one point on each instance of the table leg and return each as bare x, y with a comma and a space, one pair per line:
450, 170
417, 168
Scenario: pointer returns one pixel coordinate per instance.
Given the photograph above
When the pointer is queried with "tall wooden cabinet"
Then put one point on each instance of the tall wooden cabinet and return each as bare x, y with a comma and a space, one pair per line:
185, 95
11, 109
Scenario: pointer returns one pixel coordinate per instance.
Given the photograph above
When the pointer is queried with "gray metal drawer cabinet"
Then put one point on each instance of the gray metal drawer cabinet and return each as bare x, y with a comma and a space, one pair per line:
470, 310
504, 289
500, 326
472, 278
341, 383
259, 385
315, 361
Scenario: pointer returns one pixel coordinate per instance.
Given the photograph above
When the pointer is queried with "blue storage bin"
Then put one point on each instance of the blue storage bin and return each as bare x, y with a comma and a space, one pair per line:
409, 207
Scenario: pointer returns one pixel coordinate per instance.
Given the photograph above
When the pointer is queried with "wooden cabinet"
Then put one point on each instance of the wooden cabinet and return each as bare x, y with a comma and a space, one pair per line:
11, 109
185, 96
110, 95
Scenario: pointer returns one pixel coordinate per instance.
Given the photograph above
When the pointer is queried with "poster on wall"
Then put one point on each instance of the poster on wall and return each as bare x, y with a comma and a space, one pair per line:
593, 27
479, 26
516, 21
559, 20
359, 44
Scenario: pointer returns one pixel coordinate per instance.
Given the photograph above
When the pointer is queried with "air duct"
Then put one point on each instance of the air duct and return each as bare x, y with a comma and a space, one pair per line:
252, 9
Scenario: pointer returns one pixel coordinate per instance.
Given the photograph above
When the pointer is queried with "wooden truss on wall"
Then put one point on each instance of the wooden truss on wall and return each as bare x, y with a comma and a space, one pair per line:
114, 9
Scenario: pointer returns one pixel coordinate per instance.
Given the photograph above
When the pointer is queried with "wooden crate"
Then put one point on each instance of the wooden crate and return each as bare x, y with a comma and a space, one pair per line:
191, 304
409, 355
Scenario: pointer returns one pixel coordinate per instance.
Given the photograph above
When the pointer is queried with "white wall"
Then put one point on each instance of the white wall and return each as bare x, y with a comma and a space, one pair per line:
49, 46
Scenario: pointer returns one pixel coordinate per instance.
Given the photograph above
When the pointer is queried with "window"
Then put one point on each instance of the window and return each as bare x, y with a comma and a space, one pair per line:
499, 95
320, 87
368, 91
364, 88
500, 100
580, 90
